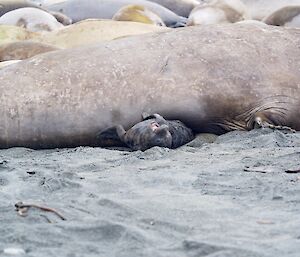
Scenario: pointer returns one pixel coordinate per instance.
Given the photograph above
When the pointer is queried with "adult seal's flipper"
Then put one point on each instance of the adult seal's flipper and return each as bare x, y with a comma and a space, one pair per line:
110, 137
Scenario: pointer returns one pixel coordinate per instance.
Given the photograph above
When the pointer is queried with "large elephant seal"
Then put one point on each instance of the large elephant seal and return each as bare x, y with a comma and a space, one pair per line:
259, 9
83, 32
79, 10
23, 49
32, 19
180, 7
288, 16
234, 78
218, 11
138, 13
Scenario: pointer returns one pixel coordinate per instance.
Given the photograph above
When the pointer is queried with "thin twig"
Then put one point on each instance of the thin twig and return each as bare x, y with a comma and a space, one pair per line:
23, 209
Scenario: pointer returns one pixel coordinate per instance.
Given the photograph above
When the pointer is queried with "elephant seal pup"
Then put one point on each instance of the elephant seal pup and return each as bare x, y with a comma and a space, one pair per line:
218, 11
32, 19
83, 32
288, 16
180, 7
23, 49
79, 10
138, 13
141, 136
154, 130
10, 34
234, 78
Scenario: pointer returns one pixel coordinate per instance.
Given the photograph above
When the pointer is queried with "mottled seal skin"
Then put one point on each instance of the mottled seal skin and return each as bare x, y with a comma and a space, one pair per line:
218, 11
79, 10
235, 77
33, 19
138, 13
23, 49
154, 130
288, 16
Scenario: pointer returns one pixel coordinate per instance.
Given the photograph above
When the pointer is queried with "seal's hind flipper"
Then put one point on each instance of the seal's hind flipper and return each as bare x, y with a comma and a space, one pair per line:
109, 137
261, 123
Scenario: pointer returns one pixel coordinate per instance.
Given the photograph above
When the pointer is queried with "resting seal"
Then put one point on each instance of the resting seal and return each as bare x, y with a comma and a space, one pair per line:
288, 16
83, 32
138, 13
10, 5
236, 77
154, 130
22, 50
32, 19
79, 10
218, 11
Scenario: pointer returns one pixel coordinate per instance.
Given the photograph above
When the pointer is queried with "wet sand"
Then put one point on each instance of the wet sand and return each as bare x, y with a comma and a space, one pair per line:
227, 198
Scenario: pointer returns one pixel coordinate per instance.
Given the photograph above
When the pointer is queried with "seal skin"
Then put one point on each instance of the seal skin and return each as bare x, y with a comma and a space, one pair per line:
259, 9
218, 11
145, 134
180, 7
154, 130
33, 19
10, 5
79, 10
23, 49
138, 13
234, 76
83, 32
9, 34
288, 16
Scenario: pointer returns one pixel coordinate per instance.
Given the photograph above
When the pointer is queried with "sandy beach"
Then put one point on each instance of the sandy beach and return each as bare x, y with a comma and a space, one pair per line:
232, 197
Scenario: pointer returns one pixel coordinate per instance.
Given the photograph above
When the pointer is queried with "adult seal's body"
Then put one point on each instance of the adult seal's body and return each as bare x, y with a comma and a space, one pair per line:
234, 78
259, 9
105, 9
83, 32
288, 16
23, 49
